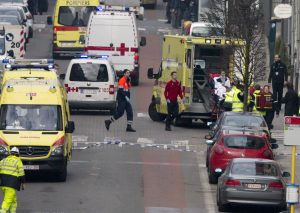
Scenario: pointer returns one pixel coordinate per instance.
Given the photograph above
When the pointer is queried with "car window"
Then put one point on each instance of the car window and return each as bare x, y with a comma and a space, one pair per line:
4, 11
89, 72
254, 168
13, 20
243, 142
244, 121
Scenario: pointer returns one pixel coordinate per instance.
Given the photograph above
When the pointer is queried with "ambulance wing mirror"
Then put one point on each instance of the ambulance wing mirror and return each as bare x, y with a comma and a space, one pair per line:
143, 41
49, 20
11, 53
70, 127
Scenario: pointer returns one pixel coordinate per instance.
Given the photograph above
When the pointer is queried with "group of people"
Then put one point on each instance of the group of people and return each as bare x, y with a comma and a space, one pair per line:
179, 10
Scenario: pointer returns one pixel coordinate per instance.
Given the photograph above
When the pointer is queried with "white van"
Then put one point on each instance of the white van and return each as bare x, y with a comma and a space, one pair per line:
115, 34
91, 83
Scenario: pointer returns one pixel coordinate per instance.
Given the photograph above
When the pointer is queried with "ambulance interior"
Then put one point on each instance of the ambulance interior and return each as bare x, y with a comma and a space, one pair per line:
207, 60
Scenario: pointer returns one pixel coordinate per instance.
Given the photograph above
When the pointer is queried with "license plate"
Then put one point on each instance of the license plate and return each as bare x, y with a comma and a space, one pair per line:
89, 91
31, 167
67, 44
254, 186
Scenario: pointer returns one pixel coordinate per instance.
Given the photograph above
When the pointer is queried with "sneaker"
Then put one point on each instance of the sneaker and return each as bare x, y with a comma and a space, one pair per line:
107, 124
130, 129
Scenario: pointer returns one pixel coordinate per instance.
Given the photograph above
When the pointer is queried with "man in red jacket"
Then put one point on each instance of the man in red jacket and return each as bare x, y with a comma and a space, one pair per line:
172, 91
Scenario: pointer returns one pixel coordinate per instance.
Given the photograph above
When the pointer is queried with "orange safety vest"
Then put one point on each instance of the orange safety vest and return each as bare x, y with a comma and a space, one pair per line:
123, 84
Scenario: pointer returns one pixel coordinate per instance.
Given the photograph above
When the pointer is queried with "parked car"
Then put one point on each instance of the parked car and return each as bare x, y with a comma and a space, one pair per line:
230, 144
252, 181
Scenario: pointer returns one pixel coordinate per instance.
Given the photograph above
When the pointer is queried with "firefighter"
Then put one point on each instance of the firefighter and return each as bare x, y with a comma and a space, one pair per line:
257, 92
12, 178
123, 99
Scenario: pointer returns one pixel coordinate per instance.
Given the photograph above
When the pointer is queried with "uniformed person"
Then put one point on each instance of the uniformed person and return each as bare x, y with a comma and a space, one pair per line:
237, 103
123, 99
12, 178
257, 92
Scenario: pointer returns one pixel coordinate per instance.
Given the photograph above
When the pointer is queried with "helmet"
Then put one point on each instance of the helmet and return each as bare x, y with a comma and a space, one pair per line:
14, 150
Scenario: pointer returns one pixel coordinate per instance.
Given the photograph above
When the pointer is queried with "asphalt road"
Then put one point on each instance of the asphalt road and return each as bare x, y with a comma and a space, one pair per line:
151, 171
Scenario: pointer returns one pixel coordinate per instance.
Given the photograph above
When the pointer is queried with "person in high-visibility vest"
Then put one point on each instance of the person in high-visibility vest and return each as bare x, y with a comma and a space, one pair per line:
12, 178
227, 105
123, 98
237, 103
257, 92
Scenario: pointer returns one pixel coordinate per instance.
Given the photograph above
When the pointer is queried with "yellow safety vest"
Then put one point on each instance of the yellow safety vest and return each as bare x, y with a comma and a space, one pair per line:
237, 105
12, 165
229, 95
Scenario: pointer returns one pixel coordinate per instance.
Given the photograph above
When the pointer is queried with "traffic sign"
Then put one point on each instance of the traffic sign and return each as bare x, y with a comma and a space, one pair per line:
9, 37
283, 11
291, 130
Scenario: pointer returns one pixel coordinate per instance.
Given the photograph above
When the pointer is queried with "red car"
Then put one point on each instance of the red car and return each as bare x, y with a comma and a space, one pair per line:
229, 144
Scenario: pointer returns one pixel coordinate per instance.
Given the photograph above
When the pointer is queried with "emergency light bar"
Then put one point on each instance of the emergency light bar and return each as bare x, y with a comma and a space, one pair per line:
29, 66
28, 61
95, 56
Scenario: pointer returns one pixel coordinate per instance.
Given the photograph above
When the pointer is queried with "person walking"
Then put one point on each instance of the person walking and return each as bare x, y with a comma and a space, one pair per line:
123, 99
278, 76
270, 112
291, 101
172, 91
12, 179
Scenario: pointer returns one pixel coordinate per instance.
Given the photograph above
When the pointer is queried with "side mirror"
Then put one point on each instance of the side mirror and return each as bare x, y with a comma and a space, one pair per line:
143, 41
150, 73
273, 140
208, 137
274, 146
62, 76
49, 20
70, 127
11, 53
209, 142
286, 174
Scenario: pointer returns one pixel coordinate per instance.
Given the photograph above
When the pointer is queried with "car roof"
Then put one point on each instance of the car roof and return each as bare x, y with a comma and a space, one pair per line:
252, 160
94, 60
242, 114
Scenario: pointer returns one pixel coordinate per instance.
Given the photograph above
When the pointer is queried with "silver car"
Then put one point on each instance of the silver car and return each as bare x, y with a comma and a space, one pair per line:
252, 181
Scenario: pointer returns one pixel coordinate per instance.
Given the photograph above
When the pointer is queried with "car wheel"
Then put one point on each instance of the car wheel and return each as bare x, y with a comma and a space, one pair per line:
212, 178
62, 175
222, 207
154, 115
55, 55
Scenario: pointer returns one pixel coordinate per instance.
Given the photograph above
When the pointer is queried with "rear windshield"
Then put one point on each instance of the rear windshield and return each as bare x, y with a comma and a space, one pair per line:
89, 72
74, 15
243, 142
254, 168
244, 121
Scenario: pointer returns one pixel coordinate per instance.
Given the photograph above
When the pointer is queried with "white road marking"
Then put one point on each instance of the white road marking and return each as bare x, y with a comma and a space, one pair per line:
141, 29
38, 26
145, 141
164, 30
162, 20
180, 142
80, 138
156, 163
142, 115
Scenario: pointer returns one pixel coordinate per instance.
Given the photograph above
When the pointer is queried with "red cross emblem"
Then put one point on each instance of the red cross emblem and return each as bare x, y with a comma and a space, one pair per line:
122, 49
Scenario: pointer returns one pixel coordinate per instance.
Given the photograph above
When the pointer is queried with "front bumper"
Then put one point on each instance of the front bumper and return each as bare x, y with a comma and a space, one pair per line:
53, 163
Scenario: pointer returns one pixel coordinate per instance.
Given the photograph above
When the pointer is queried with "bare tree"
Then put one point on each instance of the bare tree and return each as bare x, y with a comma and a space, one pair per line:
242, 20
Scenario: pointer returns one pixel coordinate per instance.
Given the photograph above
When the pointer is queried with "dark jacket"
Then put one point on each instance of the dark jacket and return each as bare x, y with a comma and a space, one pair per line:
278, 73
291, 101
12, 181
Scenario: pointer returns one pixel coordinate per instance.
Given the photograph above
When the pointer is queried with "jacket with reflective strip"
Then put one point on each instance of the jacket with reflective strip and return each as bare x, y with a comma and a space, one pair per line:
123, 90
12, 172
237, 105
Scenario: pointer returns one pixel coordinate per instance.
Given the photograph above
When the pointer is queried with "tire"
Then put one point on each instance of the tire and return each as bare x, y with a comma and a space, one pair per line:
62, 175
212, 178
55, 55
154, 115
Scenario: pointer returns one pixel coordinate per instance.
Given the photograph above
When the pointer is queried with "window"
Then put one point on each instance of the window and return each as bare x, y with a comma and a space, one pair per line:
89, 72
74, 15
255, 168
188, 59
206, 31
243, 142
244, 121
31, 117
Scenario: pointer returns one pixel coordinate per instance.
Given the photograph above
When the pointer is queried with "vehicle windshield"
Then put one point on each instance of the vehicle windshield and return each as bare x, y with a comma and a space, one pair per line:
2, 47
13, 20
206, 31
12, 1
244, 121
31, 117
243, 142
89, 72
77, 16
254, 169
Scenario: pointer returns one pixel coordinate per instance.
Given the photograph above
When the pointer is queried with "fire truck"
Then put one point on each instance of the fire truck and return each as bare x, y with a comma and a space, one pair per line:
194, 59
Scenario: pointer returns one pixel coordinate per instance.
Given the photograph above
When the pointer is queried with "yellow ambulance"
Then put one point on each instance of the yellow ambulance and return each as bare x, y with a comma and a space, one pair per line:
195, 59
34, 117
69, 21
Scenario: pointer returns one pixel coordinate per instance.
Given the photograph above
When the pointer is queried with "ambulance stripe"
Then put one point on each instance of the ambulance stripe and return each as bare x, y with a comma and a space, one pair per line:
100, 48
134, 49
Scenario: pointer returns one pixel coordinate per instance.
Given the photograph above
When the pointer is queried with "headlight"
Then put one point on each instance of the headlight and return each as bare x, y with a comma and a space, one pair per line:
57, 150
3, 150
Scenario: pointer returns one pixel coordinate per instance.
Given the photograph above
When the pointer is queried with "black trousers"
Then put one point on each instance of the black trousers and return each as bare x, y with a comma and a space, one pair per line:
269, 117
277, 93
123, 106
172, 112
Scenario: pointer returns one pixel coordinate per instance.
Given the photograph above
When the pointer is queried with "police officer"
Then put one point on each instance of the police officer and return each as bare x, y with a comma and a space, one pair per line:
12, 178
123, 99
278, 76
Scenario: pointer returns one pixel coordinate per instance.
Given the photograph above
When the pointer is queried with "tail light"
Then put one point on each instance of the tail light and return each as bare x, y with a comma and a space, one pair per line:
111, 89
268, 154
136, 58
54, 33
2, 142
277, 185
232, 183
219, 150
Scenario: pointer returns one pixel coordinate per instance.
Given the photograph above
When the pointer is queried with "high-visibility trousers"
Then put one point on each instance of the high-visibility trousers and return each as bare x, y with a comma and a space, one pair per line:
9, 203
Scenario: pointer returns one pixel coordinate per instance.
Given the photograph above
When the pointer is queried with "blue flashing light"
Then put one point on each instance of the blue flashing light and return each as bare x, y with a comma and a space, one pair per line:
8, 66
100, 8
50, 66
5, 61
84, 56
127, 9
104, 56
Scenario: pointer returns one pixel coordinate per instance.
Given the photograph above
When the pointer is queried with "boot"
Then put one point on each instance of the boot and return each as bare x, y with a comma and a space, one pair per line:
130, 129
107, 124
168, 128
